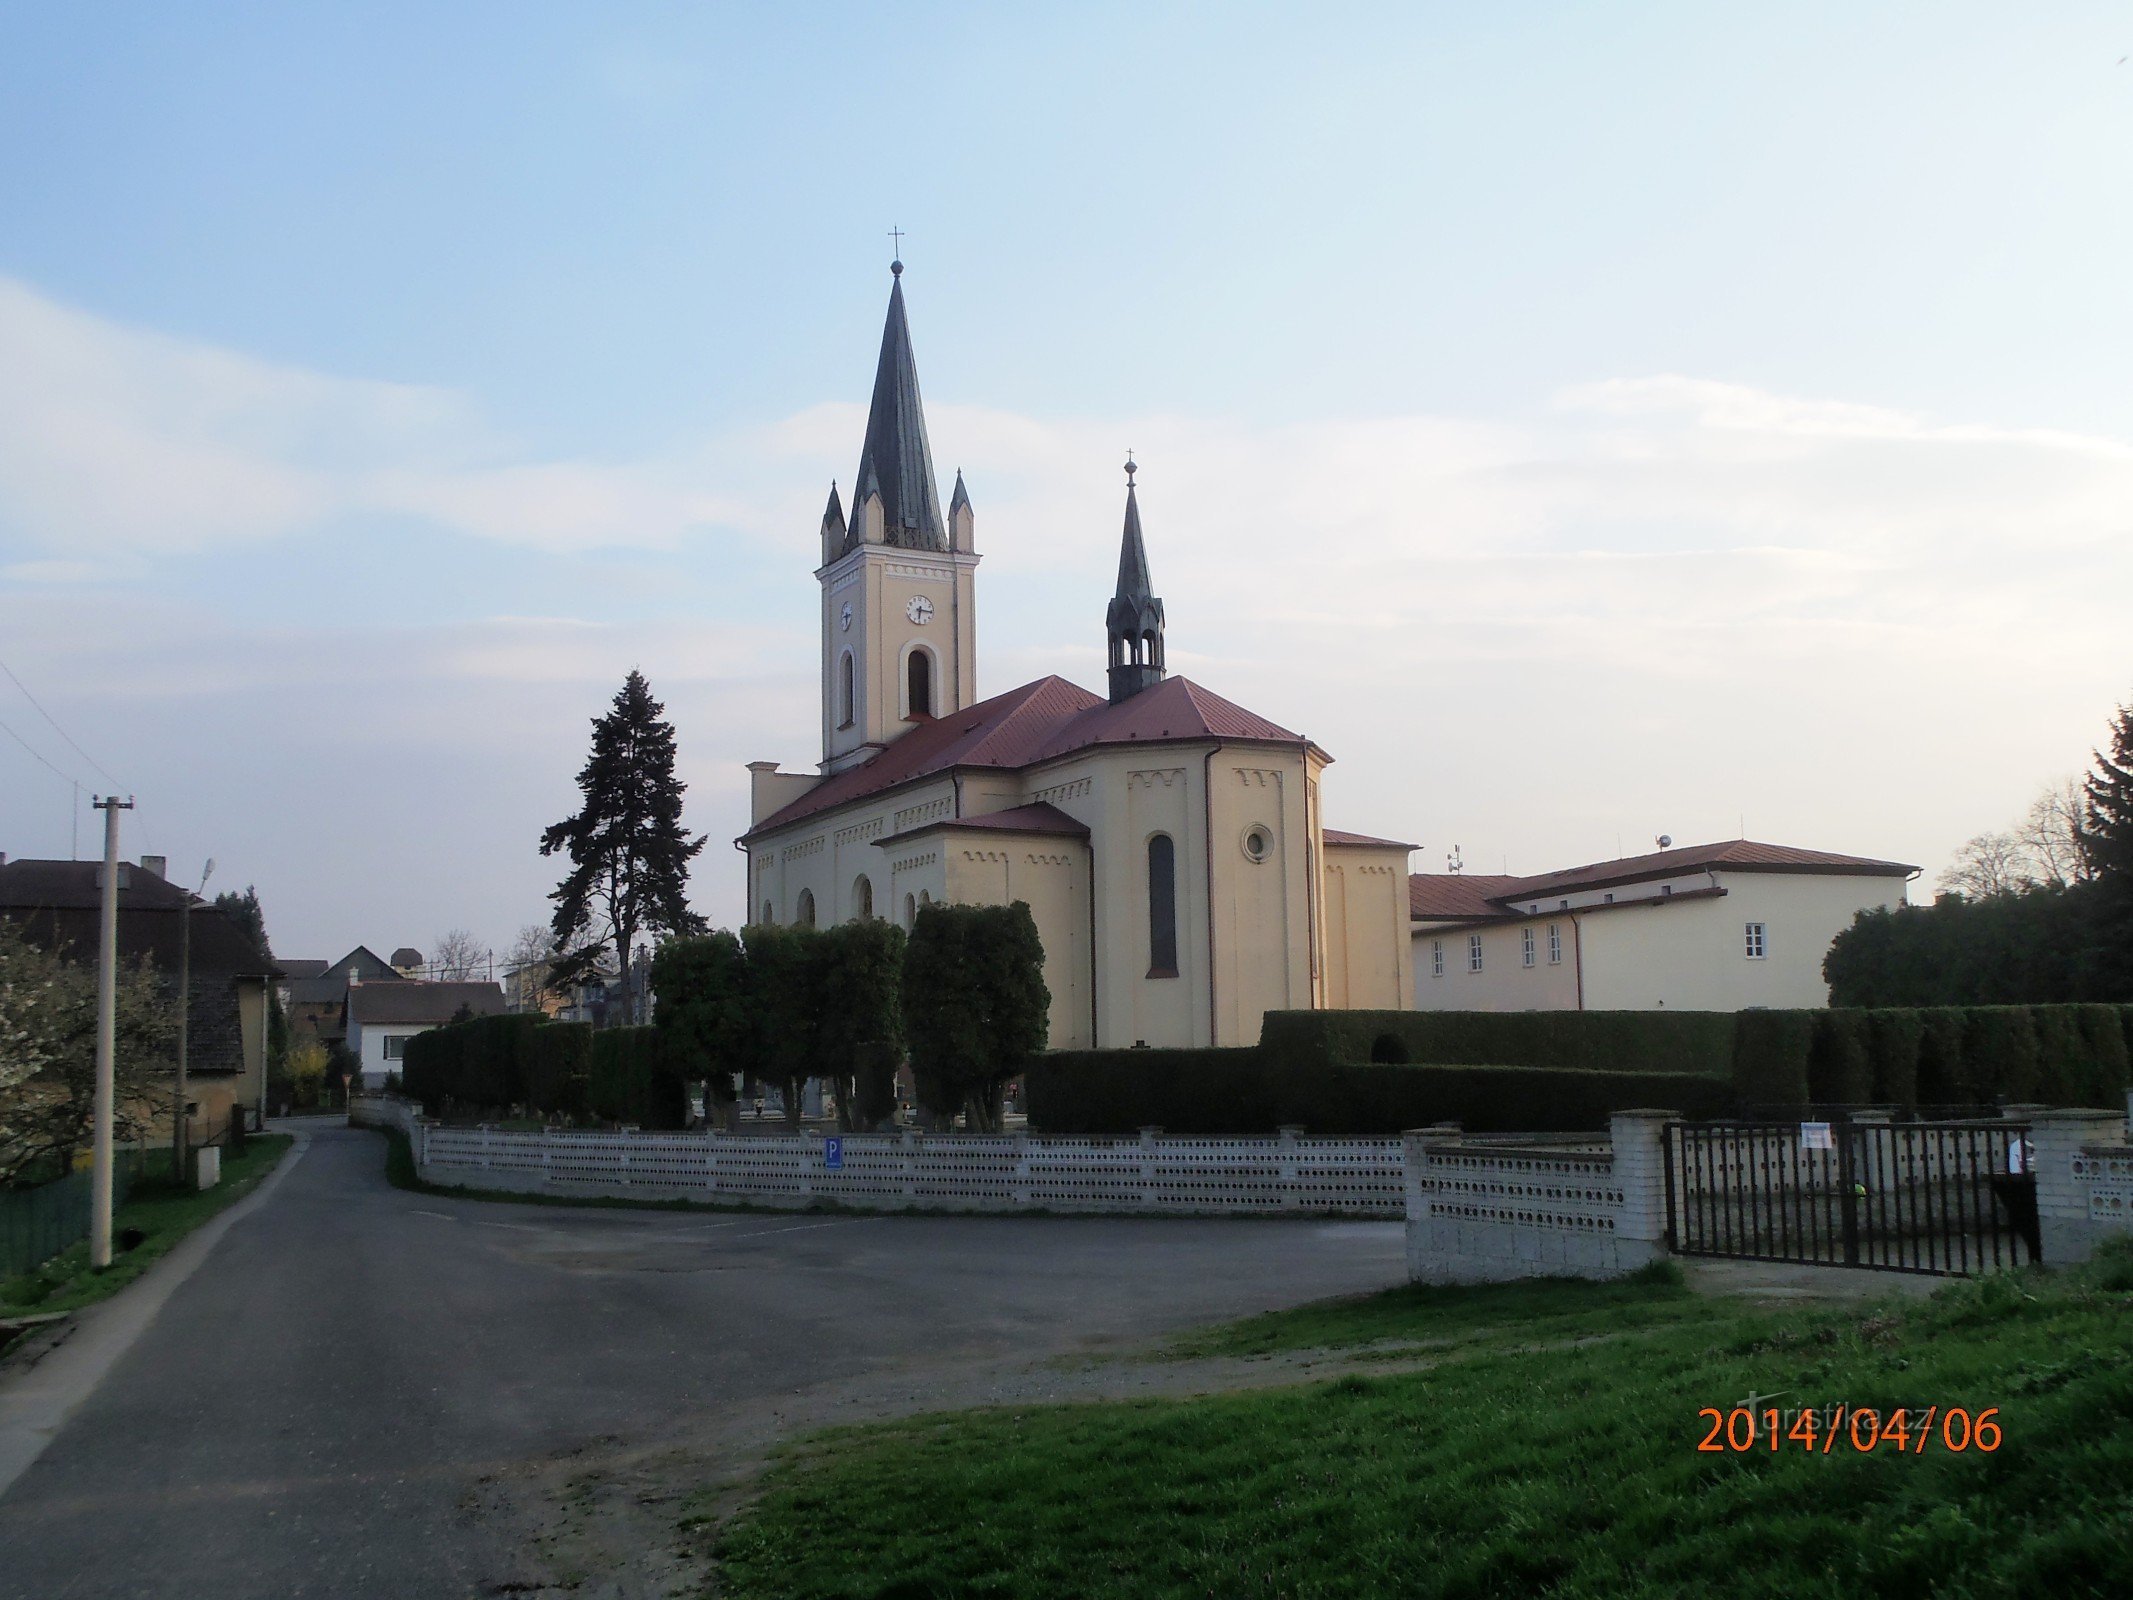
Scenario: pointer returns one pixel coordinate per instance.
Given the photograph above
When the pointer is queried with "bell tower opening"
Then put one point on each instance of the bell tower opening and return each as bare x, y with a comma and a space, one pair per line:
918, 683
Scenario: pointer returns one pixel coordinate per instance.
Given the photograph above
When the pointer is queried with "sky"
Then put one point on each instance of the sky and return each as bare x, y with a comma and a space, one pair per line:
1585, 422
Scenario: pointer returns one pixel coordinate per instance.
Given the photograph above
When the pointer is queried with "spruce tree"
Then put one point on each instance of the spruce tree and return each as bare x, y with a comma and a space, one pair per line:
2107, 823
628, 852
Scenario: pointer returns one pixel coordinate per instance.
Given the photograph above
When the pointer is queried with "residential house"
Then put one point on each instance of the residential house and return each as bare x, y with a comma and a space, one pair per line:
382, 1017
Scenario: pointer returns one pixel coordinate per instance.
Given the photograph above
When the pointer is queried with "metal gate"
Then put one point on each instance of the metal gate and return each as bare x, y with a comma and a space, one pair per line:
1944, 1197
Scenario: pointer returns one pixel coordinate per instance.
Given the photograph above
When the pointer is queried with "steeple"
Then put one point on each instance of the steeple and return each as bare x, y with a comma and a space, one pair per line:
896, 463
1134, 619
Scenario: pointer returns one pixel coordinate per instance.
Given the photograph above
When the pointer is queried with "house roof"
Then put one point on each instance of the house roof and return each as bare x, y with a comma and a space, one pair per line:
422, 1002
306, 967
59, 904
1038, 722
1474, 896
1363, 841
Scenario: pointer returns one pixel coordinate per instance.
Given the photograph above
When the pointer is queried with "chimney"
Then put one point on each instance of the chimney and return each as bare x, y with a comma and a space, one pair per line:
159, 865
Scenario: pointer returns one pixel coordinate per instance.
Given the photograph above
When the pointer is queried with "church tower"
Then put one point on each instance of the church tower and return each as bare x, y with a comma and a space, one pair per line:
899, 615
1135, 617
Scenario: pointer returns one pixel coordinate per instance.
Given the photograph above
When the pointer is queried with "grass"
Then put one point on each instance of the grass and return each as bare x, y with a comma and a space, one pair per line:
1551, 1451
161, 1210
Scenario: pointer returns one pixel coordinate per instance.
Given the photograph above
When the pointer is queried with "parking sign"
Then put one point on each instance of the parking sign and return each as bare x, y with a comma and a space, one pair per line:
833, 1153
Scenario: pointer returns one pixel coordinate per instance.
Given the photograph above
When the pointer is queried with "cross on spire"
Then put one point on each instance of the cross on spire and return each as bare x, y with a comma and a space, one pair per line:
897, 265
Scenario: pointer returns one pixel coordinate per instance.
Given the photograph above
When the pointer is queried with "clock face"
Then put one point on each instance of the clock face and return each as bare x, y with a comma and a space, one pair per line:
920, 610
844, 620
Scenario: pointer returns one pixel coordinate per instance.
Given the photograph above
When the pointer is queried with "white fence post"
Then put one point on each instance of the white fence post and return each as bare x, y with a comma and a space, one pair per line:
1020, 1187
1148, 1137
1639, 1139
1286, 1152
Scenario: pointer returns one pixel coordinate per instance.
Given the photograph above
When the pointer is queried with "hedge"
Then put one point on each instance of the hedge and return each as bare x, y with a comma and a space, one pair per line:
558, 1063
1751, 1060
1698, 1042
1242, 1092
633, 1079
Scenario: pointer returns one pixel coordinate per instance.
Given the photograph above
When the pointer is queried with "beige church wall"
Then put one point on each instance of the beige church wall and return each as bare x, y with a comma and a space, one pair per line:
1505, 982
1052, 877
1261, 954
1692, 956
1367, 957
826, 855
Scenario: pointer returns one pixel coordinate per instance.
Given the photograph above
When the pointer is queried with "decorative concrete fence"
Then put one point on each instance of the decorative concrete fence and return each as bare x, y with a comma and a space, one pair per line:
909, 1170
1484, 1209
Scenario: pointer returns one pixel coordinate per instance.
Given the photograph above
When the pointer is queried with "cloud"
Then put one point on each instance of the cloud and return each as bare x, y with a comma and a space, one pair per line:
1657, 603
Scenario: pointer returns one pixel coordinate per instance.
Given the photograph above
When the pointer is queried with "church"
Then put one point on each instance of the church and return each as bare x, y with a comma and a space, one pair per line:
1168, 842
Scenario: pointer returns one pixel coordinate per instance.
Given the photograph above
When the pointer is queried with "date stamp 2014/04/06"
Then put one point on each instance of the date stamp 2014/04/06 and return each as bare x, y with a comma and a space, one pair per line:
1825, 1430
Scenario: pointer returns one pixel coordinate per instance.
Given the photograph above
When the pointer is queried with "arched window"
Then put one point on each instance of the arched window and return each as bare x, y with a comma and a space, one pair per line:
910, 911
846, 696
1162, 907
863, 898
769, 916
806, 919
918, 672
925, 898
1152, 643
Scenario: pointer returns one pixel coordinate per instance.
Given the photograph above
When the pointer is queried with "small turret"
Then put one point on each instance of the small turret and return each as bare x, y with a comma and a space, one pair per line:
962, 522
833, 530
1134, 619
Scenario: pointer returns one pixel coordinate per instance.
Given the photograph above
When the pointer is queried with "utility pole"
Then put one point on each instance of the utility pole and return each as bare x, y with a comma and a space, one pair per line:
106, 1039
179, 1128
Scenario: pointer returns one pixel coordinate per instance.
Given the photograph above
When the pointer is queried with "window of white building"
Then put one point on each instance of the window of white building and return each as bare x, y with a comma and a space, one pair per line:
1525, 946
1473, 952
1758, 946
1555, 945
1436, 958
395, 1046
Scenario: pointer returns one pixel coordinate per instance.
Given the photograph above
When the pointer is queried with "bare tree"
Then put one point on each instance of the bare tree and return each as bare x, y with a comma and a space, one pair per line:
529, 967
1990, 864
457, 956
2050, 834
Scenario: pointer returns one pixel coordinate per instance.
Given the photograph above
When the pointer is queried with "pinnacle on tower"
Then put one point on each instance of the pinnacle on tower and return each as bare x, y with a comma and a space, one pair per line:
1134, 619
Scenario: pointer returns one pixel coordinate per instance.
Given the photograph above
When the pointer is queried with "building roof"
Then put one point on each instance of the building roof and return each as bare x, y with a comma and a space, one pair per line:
1038, 722
1477, 897
896, 462
306, 967
422, 1002
59, 904
1041, 818
1363, 841
1456, 896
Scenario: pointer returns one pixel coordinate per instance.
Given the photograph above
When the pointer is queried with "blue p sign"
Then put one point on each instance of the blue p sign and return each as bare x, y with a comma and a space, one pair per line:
833, 1153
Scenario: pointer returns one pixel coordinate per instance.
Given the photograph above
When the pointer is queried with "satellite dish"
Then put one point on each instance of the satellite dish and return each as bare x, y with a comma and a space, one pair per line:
1666, 841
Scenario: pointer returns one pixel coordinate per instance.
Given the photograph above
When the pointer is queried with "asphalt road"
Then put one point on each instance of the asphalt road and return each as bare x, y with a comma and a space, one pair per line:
321, 1408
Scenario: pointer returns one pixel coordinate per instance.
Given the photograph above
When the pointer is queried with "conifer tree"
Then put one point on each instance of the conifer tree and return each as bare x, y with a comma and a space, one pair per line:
2107, 823
628, 852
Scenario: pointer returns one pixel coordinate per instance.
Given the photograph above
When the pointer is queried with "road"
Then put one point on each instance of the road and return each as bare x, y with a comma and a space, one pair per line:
368, 1392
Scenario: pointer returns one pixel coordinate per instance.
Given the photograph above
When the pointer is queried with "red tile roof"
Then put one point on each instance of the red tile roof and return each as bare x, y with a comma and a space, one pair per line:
1039, 818
1040, 721
1455, 896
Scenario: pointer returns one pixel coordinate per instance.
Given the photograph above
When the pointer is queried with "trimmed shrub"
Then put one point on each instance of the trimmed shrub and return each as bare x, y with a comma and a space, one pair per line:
558, 1061
2104, 1029
1839, 1068
632, 1079
492, 1066
1770, 1053
1893, 1039
431, 1066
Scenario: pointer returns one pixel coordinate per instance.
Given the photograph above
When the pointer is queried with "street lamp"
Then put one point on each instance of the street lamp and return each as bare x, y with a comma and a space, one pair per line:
178, 1151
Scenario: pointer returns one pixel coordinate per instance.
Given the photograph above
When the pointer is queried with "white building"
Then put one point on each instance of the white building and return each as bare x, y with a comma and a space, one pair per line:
1720, 927
382, 1017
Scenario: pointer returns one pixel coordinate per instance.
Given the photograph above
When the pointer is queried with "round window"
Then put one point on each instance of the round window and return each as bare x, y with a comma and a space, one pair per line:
1258, 843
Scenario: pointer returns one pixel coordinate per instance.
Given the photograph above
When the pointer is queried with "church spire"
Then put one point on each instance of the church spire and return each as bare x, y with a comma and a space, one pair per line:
1134, 619
896, 463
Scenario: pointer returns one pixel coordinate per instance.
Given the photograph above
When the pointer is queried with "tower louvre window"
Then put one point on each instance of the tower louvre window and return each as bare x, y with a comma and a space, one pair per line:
846, 692
1162, 907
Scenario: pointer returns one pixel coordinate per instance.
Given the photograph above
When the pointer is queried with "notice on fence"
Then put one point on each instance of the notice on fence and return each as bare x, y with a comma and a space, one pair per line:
1816, 1136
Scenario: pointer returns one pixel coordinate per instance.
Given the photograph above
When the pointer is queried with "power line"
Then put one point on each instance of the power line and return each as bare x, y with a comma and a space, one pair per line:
56, 728
64, 777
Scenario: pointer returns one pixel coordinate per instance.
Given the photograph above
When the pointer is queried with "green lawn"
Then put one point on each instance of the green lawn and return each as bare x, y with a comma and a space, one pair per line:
161, 1210
1551, 1449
